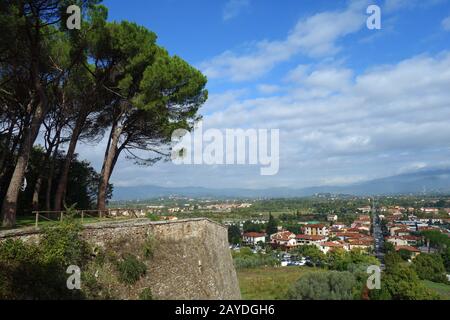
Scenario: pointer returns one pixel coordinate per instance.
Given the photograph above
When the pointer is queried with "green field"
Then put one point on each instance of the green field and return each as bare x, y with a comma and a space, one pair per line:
269, 283
442, 289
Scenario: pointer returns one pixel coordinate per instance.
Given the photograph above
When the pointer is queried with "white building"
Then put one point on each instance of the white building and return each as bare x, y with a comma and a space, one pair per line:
254, 238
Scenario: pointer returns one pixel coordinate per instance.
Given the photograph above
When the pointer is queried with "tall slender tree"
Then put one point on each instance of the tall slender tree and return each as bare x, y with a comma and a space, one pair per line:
30, 28
154, 95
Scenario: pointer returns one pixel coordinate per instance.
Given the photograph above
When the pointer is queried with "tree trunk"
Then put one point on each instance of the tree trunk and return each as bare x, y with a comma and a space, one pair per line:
111, 155
51, 171
37, 190
45, 161
62, 184
9, 151
9, 207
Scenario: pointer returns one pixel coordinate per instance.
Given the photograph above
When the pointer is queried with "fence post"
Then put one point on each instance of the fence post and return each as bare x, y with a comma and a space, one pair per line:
61, 217
82, 216
37, 219
100, 213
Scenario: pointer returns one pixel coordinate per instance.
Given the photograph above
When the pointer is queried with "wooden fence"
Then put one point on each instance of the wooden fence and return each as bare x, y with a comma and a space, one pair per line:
95, 214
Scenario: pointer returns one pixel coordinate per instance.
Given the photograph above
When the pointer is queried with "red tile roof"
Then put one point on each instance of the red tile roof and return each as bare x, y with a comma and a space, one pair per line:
408, 248
308, 237
319, 226
331, 244
254, 234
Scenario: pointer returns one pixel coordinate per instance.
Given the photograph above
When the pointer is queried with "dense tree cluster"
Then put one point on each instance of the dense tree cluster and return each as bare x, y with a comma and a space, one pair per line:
60, 87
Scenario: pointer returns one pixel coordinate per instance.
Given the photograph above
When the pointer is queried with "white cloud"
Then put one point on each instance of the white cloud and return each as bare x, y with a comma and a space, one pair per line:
315, 36
395, 5
446, 24
380, 120
268, 88
233, 8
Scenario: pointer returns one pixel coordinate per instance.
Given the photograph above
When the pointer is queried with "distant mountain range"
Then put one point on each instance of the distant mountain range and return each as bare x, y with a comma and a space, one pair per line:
424, 181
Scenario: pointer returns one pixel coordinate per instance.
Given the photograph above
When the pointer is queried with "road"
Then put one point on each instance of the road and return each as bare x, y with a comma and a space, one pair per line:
379, 239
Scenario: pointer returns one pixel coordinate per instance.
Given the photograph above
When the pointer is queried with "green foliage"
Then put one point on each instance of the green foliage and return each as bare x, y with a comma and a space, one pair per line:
130, 269
293, 227
430, 267
38, 271
392, 259
146, 294
247, 259
82, 185
389, 247
446, 259
405, 254
330, 285
342, 260
152, 217
437, 239
317, 257
253, 227
272, 225
62, 244
402, 283
234, 234
149, 246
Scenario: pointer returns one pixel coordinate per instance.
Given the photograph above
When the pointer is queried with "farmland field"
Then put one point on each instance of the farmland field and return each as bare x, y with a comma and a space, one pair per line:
269, 283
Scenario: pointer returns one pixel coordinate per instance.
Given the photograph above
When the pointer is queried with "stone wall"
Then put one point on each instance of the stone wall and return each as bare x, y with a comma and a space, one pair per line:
191, 261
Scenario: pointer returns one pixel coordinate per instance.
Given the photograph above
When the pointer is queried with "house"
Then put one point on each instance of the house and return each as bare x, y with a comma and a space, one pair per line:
402, 232
397, 241
284, 239
304, 239
316, 230
430, 210
344, 236
364, 218
412, 240
326, 247
366, 209
339, 225
361, 244
332, 218
414, 251
394, 228
253, 238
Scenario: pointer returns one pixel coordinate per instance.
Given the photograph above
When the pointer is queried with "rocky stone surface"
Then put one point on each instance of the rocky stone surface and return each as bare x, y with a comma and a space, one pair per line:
191, 259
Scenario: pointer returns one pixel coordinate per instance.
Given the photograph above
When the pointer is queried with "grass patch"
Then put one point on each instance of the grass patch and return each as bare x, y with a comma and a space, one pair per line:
131, 269
440, 288
269, 283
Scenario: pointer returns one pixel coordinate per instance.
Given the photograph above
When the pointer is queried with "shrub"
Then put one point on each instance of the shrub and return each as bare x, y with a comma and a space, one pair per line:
146, 294
430, 267
330, 285
62, 244
152, 216
402, 283
405, 254
149, 246
130, 269
30, 271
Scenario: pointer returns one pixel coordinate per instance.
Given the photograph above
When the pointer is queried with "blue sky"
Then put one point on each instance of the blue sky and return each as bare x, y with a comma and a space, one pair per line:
352, 104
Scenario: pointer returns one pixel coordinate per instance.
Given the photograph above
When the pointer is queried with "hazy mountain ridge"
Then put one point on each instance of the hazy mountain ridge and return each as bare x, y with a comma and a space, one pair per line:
428, 181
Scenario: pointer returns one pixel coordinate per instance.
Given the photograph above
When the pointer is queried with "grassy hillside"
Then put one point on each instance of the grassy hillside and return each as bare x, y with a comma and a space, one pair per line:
440, 288
269, 283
